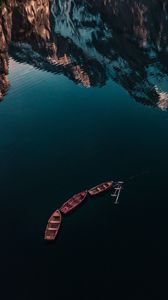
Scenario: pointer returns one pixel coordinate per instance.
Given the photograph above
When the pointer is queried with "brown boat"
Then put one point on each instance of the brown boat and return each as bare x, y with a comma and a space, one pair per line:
53, 226
101, 188
73, 202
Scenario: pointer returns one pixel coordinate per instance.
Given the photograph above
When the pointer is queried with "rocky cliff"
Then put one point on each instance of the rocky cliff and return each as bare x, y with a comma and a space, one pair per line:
6, 9
25, 21
92, 41
31, 22
129, 39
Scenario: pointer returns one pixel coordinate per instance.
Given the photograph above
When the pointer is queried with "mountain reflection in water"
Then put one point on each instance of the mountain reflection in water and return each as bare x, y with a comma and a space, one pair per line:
91, 42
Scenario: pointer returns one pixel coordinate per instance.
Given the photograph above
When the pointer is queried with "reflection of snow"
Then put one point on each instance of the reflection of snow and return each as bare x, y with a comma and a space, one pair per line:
162, 99
61, 12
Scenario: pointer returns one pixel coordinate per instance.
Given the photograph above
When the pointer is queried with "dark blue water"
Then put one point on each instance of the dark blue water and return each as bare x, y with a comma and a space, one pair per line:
58, 138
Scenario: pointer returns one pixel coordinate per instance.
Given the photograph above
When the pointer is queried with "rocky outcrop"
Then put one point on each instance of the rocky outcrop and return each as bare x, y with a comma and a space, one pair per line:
6, 9
24, 21
31, 22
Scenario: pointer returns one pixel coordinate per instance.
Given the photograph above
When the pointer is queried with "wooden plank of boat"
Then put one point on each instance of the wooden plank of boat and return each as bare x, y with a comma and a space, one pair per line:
73, 202
53, 226
101, 188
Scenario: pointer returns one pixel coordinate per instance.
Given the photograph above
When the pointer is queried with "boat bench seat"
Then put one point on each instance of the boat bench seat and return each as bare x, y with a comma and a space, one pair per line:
54, 222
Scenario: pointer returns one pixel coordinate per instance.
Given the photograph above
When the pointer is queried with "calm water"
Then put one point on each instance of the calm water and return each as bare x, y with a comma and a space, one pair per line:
85, 100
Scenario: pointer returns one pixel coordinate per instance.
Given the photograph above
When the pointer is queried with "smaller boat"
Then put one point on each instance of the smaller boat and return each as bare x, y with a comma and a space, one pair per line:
73, 202
101, 188
53, 226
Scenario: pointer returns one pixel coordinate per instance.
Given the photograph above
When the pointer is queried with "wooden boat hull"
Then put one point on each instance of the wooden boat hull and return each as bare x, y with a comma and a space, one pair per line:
53, 226
73, 202
100, 188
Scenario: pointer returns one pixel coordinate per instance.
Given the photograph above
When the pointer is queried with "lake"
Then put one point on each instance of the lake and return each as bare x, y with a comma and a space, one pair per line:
84, 99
